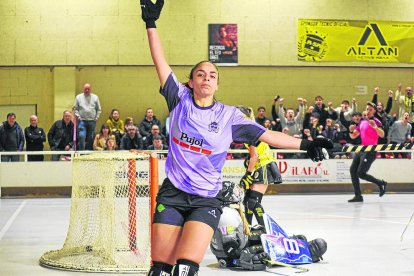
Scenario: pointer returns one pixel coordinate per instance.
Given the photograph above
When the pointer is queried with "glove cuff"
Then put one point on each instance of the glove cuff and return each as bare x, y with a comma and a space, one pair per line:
304, 144
150, 24
249, 173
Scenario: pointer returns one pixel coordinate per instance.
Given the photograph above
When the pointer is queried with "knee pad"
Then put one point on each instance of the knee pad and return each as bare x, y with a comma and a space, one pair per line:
160, 269
185, 268
253, 200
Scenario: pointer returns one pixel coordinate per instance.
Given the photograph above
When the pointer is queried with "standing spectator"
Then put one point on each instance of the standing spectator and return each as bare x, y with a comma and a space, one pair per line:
369, 129
148, 121
347, 110
60, 135
261, 115
35, 137
290, 121
87, 110
132, 139
405, 104
400, 132
116, 125
323, 111
155, 131
382, 115
158, 144
100, 139
11, 138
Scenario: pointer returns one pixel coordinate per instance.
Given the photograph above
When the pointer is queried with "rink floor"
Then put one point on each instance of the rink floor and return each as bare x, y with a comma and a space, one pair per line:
363, 238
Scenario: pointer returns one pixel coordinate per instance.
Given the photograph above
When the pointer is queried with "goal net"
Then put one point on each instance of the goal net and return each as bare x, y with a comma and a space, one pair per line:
113, 197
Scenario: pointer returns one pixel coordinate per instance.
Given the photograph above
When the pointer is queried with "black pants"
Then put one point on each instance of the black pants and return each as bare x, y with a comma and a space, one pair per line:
359, 168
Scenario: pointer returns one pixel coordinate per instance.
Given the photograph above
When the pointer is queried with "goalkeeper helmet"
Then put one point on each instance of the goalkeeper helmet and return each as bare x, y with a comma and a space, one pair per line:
232, 193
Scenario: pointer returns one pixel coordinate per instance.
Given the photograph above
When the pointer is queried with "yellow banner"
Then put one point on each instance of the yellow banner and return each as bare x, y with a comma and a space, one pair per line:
351, 40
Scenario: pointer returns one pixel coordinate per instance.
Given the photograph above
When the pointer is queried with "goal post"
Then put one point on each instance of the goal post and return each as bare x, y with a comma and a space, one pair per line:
113, 199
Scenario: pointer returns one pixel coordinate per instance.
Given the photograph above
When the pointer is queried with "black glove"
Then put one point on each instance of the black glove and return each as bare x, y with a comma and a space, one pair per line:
151, 12
251, 260
246, 181
314, 148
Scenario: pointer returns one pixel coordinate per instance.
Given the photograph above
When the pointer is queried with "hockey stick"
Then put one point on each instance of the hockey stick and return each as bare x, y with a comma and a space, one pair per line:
380, 147
406, 227
301, 268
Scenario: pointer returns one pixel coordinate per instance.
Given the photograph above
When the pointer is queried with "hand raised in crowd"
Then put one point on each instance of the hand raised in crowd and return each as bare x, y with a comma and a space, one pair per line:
310, 109
281, 101
352, 128
376, 90
276, 98
399, 86
353, 100
306, 131
390, 93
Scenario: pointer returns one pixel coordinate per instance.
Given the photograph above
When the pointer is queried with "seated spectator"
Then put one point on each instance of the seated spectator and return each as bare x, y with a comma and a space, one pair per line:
147, 123
158, 145
116, 125
334, 133
155, 130
11, 138
111, 143
35, 137
131, 139
60, 135
100, 139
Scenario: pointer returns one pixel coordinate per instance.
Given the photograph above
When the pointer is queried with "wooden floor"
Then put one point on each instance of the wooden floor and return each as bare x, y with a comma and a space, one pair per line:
363, 238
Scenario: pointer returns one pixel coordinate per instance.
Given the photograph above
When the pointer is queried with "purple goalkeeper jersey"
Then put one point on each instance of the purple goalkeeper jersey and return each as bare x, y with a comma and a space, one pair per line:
200, 138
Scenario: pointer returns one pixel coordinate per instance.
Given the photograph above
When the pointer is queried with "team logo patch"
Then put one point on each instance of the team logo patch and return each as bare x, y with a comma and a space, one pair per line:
214, 127
213, 213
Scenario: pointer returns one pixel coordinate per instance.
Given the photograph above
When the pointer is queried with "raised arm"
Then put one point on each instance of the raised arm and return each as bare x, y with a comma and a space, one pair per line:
150, 13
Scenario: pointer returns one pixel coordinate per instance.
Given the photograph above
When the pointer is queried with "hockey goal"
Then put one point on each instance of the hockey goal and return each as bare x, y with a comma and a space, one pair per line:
113, 197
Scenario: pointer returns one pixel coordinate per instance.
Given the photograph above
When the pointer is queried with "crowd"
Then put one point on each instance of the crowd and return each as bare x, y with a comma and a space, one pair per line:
303, 121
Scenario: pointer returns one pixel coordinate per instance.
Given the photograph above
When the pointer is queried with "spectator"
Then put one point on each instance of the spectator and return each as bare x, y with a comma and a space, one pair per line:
100, 139
369, 129
155, 130
116, 125
400, 132
11, 138
356, 118
382, 115
334, 133
261, 115
159, 145
148, 121
132, 139
290, 121
347, 111
312, 123
111, 143
35, 137
87, 110
60, 135
129, 121
405, 104
323, 111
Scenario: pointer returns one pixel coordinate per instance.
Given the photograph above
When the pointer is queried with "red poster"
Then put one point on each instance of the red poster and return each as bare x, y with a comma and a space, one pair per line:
222, 47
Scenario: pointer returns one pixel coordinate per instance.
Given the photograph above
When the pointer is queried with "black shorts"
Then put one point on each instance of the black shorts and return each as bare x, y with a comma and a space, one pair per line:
175, 207
268, 174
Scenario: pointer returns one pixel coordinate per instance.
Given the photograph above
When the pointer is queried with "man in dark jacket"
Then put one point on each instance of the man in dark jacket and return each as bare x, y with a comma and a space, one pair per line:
60, 135
131, 139
147, 123
35, 137
11, 138
323, 111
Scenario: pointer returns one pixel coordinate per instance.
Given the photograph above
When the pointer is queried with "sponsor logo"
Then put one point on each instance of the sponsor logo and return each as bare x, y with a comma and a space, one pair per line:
213, 213
191, 143
376, 51
160, 208
312, 46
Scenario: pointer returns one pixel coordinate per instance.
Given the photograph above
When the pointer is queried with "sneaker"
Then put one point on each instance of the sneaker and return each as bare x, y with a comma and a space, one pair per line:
383, 188
356, 199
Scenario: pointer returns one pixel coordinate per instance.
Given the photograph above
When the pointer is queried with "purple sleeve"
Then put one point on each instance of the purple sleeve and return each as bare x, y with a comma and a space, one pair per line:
245, 130
173, 91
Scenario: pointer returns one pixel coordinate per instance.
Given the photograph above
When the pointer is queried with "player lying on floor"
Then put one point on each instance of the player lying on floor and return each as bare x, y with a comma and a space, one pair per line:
234, 245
